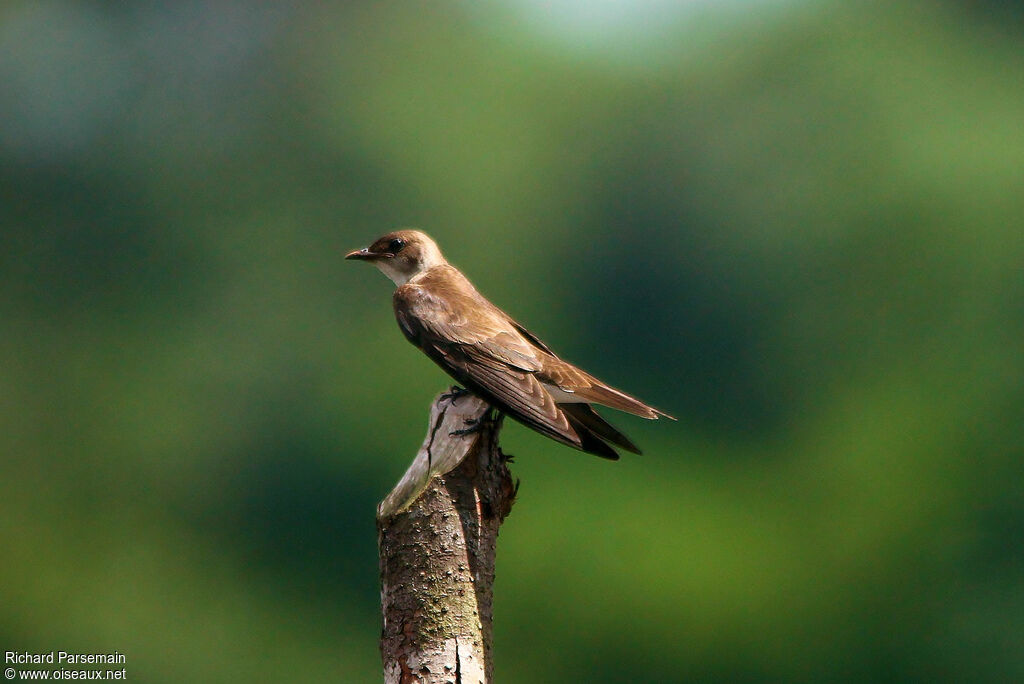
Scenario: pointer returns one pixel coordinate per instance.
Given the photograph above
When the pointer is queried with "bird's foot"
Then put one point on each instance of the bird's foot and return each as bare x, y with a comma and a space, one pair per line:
475, 425
454, 394
490, 419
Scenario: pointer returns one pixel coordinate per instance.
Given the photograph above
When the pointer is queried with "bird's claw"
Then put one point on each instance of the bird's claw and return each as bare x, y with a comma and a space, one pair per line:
454, 394
475, 425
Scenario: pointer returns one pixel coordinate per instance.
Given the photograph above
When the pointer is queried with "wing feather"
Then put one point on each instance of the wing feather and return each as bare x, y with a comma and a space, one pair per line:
585, 386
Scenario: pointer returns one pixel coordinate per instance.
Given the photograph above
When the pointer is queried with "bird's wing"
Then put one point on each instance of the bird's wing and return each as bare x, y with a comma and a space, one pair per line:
474, 342
586, 387
569, 378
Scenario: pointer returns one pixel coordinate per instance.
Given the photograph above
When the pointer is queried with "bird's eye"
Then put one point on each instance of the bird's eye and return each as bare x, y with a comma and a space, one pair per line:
396, 245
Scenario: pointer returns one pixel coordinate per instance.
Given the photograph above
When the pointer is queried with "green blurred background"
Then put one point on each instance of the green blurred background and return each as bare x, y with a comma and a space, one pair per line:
794, 225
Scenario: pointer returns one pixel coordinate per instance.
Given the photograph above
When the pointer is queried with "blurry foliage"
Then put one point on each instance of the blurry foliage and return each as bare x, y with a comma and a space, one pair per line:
797, 227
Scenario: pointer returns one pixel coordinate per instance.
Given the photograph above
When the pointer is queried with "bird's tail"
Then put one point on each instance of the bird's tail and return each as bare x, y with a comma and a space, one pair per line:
593, 430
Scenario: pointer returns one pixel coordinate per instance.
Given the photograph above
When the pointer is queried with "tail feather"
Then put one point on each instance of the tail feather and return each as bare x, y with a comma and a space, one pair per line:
585, 417
590, 440
592, 444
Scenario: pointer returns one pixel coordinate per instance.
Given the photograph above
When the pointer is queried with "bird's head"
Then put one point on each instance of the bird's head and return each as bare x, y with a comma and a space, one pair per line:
401, 255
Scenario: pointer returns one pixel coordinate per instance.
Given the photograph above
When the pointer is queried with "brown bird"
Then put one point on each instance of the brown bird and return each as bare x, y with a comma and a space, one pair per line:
492, 355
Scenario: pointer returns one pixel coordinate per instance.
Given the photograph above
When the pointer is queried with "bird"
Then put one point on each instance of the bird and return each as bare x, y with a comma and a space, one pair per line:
490, 354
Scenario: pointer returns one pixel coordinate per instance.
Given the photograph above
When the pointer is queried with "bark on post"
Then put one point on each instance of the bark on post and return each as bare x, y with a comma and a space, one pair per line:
437, 535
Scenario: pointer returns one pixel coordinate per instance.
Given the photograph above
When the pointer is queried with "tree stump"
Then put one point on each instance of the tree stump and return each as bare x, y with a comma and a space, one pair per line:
437, 536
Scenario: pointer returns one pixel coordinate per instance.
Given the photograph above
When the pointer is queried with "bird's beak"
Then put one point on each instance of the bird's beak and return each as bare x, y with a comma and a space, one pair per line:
365, 254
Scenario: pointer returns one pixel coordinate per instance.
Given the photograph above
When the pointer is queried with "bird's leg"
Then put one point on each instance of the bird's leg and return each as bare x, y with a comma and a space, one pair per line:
454, 394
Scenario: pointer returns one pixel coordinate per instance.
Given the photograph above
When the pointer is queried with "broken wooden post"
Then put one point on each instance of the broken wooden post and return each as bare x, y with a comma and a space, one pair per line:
437, 535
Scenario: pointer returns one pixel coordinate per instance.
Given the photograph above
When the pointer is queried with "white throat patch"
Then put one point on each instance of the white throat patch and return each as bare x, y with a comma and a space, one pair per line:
388, 268
429, 259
